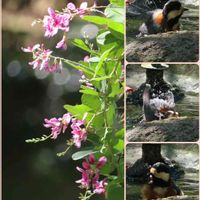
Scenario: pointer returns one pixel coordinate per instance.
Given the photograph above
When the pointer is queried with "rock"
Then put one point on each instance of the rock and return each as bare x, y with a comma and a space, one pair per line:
182, 46
185, 197
182, 129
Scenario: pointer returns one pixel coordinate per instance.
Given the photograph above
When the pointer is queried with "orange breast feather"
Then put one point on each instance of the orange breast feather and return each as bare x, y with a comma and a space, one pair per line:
159, 18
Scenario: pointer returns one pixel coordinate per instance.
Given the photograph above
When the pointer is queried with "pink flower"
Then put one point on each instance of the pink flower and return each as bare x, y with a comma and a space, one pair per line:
79, 135
86, 165
62, 44
85, 180
91, 159
41, 58
86, 58
82, 9
101, 162
71, 6
90, 174
31, 49
66, 119
55, 67
57, 125
100, 186
53, 22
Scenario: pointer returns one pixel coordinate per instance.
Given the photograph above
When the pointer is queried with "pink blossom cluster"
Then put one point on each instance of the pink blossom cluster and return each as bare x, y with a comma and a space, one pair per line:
59, 125
78, 131
55, 21
41, 59
91, 173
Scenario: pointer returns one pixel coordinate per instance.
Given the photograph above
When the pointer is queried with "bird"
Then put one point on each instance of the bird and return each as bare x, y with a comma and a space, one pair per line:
163, 20
160, 183
159, 107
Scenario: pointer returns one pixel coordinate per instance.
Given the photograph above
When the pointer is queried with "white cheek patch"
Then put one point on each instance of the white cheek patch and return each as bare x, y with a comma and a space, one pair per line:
174, 13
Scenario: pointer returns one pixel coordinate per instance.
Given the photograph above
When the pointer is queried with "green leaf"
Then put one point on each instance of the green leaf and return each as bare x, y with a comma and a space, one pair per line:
86, 90
101, 37
91, 101
107, 169
102, 59
81, 44
110, 114
79, 66
78, 110
81, 154
119, 146
116, 89
105, 40
121, 169
114, 12
94, 138
120, 134
115, 191
97, 20
117, 2
98, 122
101, 78
116, 26
117, 29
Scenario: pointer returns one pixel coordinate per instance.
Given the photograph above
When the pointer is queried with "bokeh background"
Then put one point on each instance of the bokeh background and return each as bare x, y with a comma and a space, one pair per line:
33, 171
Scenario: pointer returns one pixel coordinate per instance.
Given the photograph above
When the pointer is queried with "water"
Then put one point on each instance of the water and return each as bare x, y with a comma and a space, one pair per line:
188, 184
189, 21
184, 76
185, 155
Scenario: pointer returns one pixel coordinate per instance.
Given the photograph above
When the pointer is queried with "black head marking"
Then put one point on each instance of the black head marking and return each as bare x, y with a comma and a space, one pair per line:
161, 167
170, 6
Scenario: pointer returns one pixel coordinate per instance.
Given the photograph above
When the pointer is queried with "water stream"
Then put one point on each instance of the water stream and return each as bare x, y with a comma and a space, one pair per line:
184, 76
189, 21
185, 155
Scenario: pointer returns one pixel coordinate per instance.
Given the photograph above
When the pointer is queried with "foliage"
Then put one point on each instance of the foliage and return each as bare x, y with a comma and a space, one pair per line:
96, 119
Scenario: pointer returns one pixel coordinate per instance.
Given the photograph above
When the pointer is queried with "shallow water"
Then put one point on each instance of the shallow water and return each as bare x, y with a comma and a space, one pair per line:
188, 106
185, 155
186, 77
189, 21
188, 184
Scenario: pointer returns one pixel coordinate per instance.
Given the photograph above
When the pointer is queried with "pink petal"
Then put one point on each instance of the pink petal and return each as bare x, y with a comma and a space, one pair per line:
91, 159
71, 6
51, 12
101, 162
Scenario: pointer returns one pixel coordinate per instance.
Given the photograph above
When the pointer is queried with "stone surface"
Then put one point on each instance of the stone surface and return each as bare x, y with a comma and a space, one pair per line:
182, 129
182, 46
185, 197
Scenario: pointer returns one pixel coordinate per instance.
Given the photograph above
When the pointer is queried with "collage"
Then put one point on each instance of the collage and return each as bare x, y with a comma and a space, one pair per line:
100, 100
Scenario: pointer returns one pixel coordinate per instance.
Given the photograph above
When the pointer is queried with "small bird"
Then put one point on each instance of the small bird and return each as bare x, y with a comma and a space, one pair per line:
163, 20
160, 183
159, 107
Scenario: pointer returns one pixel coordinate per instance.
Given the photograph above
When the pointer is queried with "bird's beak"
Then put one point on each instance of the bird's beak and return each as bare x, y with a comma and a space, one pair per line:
185, 9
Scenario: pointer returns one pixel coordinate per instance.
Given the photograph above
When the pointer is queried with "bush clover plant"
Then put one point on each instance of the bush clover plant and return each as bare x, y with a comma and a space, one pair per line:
96, 120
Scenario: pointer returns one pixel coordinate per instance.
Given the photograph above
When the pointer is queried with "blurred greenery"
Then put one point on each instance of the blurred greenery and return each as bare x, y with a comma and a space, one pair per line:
34, 171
